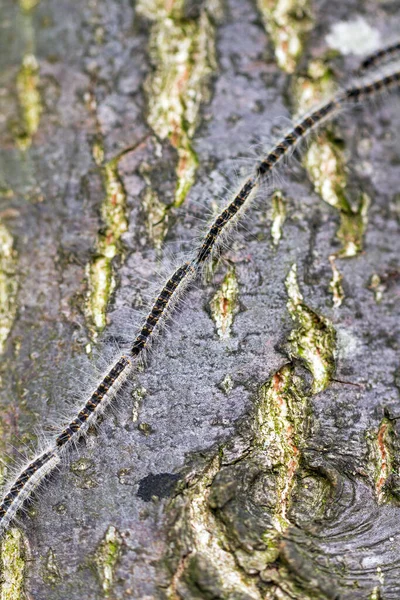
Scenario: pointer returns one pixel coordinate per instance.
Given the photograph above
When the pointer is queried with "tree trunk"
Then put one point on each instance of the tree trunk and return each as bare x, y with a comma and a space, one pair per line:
256, 453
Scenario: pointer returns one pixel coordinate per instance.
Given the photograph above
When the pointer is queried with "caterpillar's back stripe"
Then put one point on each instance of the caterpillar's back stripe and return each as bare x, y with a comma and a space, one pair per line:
376, 58
26, 483
164, 300
103, 394
359, 92
221, 221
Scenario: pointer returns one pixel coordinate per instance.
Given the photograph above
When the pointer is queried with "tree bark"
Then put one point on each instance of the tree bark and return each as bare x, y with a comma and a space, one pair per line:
256, 453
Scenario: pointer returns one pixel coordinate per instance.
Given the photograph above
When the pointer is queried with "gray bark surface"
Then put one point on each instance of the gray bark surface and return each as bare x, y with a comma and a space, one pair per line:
130, 477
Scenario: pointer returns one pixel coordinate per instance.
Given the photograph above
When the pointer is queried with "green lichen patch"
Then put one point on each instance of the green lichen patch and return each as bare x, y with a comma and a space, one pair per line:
377, 287
278, 216
313, 86
314, 339
97, 148
106, 558
383, 448
138, 395
326, 166
82, 465
227, 384
280, 420
287, 22
101, 282
13, 564
8, 284
28, 5
50, 571
375, 594
353, 224
157, 217
224, 304
114, 208
183, 54
200, 551
145, 428
227, 525
83, 468
335, 284
29, 100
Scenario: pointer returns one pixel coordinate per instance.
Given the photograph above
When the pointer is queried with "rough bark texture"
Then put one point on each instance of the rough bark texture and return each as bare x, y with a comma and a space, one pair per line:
239, 465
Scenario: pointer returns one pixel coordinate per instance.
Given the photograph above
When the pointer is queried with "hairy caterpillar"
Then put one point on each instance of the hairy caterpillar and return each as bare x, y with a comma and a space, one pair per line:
31, 477
381, 55
354, 94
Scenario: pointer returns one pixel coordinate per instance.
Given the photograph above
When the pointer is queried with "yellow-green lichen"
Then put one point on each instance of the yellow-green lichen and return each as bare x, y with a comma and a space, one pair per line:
137, 398
375, 594
280, 417
377, 287
314, 339
7, 193
326, 166
287, 22
113, 209
100, 275
97, 148
224, 304
12, 565
106, 558
208, 544
157, 217
183, 55
278, 216
381, 449
145, 428
8, 284
81, 465
29, 100
227, 384
353, 223
101, 286
51, 571
313, 86
83, 468
335, 284
28, 5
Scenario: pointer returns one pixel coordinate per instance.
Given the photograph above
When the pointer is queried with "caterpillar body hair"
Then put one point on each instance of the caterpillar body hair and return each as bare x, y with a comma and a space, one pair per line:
165, 300
388, 53
353, 94
25, 484
98, 401
375, 85
109, 384
106, 390
223, 219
